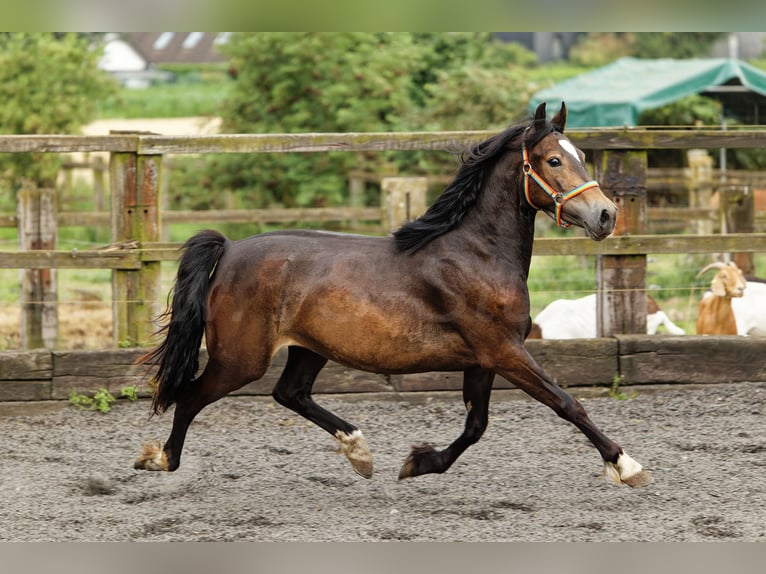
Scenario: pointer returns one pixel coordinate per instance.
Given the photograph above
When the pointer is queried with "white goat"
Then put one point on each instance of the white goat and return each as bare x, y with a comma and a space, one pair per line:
750, 310
576, 319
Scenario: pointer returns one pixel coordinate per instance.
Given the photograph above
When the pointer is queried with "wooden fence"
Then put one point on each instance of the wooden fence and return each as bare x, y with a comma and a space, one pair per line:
633, 360
135, 215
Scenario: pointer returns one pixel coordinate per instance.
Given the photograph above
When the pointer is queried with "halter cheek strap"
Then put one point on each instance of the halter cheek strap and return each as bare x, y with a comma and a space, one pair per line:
558, 197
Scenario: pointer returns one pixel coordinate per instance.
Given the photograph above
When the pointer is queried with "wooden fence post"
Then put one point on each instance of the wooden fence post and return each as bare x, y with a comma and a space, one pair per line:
36, 212
700, 186
98, 168
403, 199
621, 279
135, 213
737, 213
355, 195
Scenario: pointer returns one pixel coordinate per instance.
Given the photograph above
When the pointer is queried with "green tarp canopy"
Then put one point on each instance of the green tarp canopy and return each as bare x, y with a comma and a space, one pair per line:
616, 94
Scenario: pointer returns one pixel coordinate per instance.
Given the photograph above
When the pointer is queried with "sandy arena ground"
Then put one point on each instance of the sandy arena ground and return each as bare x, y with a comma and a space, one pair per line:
255, 471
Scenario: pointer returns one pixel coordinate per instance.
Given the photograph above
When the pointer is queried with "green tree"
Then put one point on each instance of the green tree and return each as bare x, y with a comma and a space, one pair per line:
673, 44
360, 82
693, 110
599, 48
471, 81
49, 84
292, 82
311, 82
596, 49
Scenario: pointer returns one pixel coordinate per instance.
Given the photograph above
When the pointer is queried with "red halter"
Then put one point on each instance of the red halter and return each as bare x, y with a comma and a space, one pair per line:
558, 197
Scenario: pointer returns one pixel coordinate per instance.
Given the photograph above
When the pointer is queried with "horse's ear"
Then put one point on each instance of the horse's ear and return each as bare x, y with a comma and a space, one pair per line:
540, 116
560, 119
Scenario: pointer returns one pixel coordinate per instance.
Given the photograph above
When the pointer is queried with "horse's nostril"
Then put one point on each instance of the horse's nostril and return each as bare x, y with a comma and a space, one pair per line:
606, 218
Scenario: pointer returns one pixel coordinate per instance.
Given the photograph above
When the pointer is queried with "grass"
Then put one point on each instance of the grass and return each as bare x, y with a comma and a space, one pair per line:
175, 100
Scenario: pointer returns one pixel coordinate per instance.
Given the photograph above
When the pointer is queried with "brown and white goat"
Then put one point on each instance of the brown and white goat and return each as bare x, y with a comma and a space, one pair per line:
715, 315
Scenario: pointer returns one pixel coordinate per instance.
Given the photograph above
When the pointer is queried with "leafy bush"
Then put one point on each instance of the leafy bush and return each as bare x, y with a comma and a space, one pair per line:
599, 48
102, 399
697, 110
49, 84
358, 82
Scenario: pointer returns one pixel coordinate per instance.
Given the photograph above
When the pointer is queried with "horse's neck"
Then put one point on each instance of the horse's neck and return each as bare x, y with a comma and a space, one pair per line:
524, 240
502, 228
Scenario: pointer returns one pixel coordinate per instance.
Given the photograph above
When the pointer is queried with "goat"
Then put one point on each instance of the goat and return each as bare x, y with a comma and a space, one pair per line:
750, 309
576, 319
715, 315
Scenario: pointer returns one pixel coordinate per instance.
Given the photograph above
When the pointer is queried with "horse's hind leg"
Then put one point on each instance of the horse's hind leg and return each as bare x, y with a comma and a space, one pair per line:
214, 383
477, 386
293, 390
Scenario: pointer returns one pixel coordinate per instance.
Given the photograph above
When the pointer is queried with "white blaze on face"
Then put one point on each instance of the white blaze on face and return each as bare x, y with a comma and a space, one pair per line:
569, 148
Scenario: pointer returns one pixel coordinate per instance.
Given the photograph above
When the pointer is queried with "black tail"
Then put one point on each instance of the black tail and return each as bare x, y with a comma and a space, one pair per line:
177, 356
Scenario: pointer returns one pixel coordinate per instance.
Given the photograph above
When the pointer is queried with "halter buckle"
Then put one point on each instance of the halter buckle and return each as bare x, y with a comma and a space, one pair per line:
526, 168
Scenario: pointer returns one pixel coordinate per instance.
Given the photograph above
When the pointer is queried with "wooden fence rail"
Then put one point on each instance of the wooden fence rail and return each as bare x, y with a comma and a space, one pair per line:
632, 359
132, 257
675, 219
451, 141
135, 173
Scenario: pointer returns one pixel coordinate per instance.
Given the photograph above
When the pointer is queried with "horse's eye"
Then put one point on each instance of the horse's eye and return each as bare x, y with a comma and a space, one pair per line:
554, 162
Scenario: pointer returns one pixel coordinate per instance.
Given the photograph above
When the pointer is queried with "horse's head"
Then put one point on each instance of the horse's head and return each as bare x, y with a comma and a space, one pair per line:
556, 180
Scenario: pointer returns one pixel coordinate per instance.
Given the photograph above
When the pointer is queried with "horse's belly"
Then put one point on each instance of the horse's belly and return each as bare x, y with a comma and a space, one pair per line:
382, 340
387, 360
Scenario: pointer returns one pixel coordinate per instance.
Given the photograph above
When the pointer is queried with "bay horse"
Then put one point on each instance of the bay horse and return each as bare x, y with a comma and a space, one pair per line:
447, 292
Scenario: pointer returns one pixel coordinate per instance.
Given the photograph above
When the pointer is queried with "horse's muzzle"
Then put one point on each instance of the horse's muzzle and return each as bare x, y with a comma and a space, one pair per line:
602, 226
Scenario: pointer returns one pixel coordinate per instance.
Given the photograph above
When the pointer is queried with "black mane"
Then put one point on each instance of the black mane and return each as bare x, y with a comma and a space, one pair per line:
461, 194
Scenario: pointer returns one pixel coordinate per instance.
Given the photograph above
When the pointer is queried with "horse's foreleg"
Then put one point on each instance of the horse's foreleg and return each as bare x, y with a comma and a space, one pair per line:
293, 390
213, 384
530, 378
477, 386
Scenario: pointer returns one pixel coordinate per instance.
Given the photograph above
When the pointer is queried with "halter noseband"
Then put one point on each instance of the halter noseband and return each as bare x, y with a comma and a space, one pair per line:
558, 197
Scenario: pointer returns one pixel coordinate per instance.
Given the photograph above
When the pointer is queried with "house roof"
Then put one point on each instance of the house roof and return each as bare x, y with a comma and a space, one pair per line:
178, 47
616, 94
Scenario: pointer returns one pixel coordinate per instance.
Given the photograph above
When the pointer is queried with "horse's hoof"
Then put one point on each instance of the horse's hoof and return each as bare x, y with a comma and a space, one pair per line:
414, 464
407, 469
627, 471
354, 446
362, 469
152, 457
641, 479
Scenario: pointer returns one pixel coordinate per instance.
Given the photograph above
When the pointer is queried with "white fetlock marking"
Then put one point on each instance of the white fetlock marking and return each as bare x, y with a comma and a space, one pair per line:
611, 472
152, 457
623, 470
159, 462
354, 446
